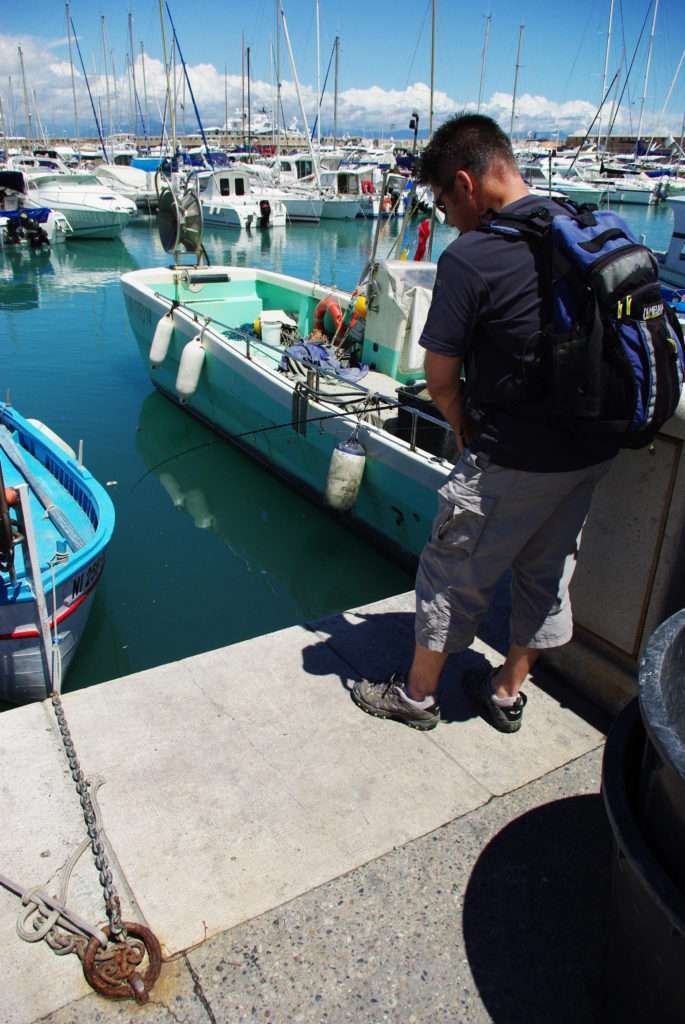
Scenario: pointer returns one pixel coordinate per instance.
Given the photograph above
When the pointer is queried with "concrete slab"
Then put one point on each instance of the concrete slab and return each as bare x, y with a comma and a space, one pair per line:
42, 824
238, 780
378, 638
415, 936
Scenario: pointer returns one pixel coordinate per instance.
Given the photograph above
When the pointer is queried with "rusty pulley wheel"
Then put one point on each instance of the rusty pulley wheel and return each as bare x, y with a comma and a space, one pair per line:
113, 971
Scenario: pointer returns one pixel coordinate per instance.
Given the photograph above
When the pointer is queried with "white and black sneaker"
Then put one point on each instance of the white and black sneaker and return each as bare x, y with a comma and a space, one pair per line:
478, 684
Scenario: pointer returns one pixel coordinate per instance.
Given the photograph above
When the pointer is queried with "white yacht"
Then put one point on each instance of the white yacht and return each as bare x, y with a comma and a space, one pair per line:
227, 200
15, 201
92, 209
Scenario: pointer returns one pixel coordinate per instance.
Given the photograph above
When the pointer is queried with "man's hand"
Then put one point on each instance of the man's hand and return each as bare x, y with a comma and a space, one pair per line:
443, 382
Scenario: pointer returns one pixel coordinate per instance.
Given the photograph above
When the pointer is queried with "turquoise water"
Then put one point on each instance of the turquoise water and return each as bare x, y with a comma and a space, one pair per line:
209, 548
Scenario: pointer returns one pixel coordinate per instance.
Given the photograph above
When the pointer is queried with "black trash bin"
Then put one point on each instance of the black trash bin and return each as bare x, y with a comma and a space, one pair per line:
645, 970
661, 794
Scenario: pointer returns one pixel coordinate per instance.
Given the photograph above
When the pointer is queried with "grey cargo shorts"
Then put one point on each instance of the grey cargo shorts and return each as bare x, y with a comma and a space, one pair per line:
491, 519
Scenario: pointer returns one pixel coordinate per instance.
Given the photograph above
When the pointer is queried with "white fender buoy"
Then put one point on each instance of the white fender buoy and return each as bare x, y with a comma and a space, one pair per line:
161, 339
190, 368
345, 474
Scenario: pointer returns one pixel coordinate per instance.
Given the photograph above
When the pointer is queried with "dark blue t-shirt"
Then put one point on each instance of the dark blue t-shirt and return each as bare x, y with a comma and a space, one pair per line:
486, 308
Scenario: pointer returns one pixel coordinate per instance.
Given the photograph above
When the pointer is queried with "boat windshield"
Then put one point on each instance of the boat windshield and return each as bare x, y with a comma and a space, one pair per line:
66, 179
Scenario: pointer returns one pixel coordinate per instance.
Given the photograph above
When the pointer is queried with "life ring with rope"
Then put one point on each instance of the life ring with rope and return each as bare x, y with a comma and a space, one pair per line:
330, 306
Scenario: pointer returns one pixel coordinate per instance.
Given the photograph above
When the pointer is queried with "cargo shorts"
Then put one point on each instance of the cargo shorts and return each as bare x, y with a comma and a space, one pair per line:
491, 519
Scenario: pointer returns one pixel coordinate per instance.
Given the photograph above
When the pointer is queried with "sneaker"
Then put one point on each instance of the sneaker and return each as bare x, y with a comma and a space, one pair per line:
384, 700
478, 685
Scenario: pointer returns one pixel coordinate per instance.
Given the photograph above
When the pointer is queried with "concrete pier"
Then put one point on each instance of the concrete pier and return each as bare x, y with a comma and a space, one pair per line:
301, 861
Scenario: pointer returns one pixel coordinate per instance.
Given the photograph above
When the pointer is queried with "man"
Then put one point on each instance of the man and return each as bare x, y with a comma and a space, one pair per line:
521, 490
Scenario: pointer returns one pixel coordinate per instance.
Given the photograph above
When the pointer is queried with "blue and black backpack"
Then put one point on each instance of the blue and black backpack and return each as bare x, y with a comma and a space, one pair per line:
610, 359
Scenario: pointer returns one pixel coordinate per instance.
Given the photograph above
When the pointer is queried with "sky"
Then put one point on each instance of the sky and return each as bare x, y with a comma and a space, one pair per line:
384, 61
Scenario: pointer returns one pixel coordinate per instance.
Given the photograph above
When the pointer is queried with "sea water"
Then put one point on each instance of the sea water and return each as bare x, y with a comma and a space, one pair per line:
209, 548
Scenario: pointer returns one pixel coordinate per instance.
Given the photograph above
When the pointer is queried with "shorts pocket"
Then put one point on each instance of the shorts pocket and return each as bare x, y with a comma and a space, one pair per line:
459, 525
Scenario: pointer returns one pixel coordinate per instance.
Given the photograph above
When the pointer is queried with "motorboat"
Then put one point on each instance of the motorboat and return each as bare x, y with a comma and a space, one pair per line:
22, 222
92, 209
131, 182
53, 538
305, 380
350, 193
301, 204
672, 261
569, 183
228, 200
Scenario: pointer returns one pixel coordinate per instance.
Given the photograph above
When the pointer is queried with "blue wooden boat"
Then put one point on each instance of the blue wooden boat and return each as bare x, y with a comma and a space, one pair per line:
54, 532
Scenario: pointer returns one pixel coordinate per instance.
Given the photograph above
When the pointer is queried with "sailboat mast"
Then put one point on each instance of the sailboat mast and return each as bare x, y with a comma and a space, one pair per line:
484, 60
41, 131
249, 105
647, 69
278, 93
225, 106
13, 108
104, 57
335, 98
516, 82
73, 81
318, 78
430, 108
606, 69
242, 91
27, 108
133, 72
315, 162
142, 65
167, 70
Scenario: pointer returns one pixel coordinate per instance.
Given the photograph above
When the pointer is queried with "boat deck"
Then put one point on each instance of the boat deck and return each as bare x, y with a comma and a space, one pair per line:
47, 534
299, 851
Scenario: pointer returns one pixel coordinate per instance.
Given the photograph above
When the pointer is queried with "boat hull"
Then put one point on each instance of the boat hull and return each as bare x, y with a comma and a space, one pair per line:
68, 542
23, 676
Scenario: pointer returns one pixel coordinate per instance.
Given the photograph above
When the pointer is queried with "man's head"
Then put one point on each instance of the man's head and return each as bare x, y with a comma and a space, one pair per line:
470, 167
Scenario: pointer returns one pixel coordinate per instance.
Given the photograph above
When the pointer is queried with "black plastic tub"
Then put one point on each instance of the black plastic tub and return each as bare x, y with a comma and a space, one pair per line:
661, 795
645, 975
430, 437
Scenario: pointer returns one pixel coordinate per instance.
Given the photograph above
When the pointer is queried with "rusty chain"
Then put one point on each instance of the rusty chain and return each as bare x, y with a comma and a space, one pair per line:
112, 970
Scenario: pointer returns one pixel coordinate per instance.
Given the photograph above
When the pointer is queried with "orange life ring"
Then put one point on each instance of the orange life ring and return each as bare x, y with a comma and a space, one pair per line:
330, 306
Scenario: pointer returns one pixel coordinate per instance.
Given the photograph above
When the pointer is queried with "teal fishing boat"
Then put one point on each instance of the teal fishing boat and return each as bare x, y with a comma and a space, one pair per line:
322, 385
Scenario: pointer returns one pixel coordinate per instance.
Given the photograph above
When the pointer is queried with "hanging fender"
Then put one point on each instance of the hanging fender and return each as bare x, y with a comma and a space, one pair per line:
190, 367
330, 306
161, 339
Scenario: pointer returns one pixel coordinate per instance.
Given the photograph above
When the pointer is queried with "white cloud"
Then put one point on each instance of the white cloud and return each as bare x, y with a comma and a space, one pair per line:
370, 108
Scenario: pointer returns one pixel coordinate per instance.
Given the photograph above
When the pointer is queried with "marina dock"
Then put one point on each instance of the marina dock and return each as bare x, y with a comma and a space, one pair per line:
301, 861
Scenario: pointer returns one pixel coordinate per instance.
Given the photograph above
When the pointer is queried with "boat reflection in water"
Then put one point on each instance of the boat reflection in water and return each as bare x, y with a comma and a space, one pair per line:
282, 560
63, 270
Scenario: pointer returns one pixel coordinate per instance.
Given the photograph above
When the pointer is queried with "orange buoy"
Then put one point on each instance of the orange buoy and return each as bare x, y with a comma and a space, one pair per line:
330, 306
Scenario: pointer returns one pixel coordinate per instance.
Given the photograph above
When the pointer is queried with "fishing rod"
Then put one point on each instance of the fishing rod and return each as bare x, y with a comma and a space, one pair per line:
380, 402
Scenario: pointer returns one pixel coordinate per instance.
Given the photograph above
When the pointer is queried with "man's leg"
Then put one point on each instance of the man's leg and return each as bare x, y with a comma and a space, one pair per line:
424, 673
509, 679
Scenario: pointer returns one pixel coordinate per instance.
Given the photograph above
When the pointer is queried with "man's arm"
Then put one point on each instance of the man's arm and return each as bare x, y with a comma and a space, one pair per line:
442, 380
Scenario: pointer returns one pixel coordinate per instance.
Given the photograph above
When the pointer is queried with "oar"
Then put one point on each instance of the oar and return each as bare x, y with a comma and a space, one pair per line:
55, 514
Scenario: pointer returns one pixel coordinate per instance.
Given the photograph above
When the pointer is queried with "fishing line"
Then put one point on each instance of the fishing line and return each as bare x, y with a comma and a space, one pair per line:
247, 433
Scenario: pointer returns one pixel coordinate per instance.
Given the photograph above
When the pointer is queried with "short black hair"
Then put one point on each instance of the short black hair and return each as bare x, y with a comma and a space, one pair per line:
468, 142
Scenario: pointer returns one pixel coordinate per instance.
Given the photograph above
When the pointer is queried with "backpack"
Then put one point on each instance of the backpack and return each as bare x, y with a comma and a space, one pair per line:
610, 359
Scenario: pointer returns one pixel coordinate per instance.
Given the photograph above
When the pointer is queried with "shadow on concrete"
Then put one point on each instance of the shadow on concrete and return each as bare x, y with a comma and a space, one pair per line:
374, 645
535, 915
